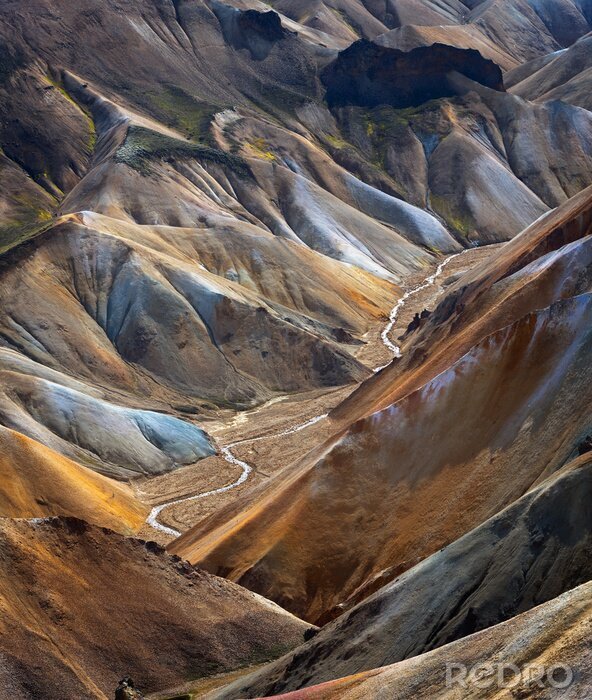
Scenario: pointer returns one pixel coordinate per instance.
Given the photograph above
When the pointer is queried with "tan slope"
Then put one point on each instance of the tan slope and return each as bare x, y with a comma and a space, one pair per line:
168, 327
36, 482
170, 314
79, 421
427, 12
218, 151
484, 161
489, 297
377, 499
467, 36
526, 29
210, 95
520, 28
556, 633
83, 606
243, 290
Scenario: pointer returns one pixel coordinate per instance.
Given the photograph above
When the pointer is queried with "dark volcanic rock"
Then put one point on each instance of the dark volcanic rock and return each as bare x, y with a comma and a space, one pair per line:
267, 25
250, 29
368, 75
126, 690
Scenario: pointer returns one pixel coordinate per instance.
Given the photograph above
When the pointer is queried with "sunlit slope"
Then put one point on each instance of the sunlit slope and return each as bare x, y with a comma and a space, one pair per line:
554, 634
37, 482
525, 555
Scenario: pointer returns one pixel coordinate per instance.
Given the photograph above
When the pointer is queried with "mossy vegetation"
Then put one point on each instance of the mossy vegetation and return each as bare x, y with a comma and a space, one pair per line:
92, 133
460, 222
62, 90
14, 234
386, 122
279, 99
260, 149
27, 213
336, 142
375, 131
142, 147
179, 110
344, 19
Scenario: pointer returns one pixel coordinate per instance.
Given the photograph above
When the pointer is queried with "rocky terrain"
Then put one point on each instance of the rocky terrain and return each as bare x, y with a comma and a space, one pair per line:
300, 291
554, 634
369, 75
82, 605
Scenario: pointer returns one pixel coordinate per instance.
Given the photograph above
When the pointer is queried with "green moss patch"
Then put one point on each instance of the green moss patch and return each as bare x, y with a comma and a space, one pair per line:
462, 223
143, 146
178, 109
14, 234
92, 133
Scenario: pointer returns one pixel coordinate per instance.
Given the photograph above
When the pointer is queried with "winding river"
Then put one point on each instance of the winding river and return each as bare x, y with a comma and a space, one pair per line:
246, 468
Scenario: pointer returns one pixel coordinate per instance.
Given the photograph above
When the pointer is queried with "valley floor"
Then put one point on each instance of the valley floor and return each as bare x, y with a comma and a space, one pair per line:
271, 435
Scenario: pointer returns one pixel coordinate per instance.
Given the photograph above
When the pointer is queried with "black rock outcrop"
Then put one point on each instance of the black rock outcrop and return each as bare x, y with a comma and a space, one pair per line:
250, 29
368, 75
126, 690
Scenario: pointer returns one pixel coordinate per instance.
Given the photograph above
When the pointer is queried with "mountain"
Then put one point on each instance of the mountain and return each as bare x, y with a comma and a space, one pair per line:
69, 415
302, 291
83, 607
563, 75
492, 398
464, 36
203, 171
525, 555
553, 636
368, 75
524, 29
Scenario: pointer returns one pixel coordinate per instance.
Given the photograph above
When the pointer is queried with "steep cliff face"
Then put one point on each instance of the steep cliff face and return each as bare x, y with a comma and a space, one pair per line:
257, 32
367, 75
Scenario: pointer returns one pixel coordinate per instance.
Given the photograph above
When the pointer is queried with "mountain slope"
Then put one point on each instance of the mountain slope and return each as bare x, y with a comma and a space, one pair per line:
464, 36
216, 218
552, 636
390, 469
565, 75
37, 482
525, 555
521, 28
83, 607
